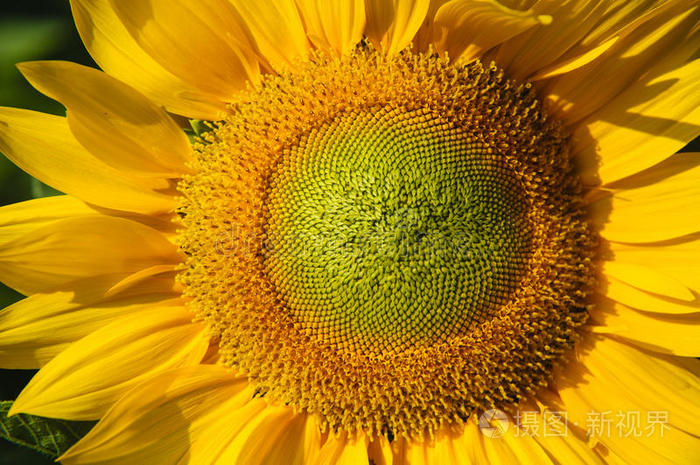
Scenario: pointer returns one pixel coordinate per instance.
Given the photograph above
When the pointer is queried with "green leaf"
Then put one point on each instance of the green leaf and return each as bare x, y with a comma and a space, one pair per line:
49, 436
197, 130
199, 127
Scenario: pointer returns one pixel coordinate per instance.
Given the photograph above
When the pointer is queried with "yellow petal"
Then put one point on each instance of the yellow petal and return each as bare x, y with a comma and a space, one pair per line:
214, 54
18, 219
344, 451
112, 120
36, 329
336, 26
43, 146
551, 46
647, 279
648, 122
423, 39
467, 28
512, 446
275, 435
553, 49
469, 447
575, 62
569, 449
113, 48
659, 40
380, 453
671, 166
429, 453
612, 377
75, 248
85, 380
611, 458
670, 334
155, 422
298, 443
635, 298
276, 29
678, 260
663, 210
210, 443
392, 24
142, 275
618, 18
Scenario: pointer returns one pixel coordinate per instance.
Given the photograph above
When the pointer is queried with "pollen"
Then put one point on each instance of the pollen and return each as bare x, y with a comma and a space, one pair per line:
390, 243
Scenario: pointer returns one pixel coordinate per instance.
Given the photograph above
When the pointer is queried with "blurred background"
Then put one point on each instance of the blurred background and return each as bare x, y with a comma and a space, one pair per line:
29, 30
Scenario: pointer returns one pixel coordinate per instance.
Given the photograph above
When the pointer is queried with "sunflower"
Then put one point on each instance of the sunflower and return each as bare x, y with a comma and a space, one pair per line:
405, 232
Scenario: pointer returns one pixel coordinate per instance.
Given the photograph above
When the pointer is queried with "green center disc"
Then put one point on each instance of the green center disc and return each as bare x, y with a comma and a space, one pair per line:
392, 228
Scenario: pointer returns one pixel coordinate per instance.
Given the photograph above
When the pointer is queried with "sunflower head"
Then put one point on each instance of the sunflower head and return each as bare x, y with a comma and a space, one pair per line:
412, 229
403, 216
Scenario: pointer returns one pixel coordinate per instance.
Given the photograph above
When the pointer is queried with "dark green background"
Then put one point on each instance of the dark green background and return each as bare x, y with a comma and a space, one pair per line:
29, 30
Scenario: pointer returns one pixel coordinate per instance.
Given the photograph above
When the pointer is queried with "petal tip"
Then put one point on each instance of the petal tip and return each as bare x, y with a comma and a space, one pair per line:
545, 20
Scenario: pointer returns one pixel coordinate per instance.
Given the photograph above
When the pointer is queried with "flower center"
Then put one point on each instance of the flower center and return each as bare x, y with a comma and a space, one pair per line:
392, 228
390, 243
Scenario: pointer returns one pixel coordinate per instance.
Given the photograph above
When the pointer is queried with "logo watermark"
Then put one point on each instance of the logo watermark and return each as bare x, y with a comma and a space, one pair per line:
495, 424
